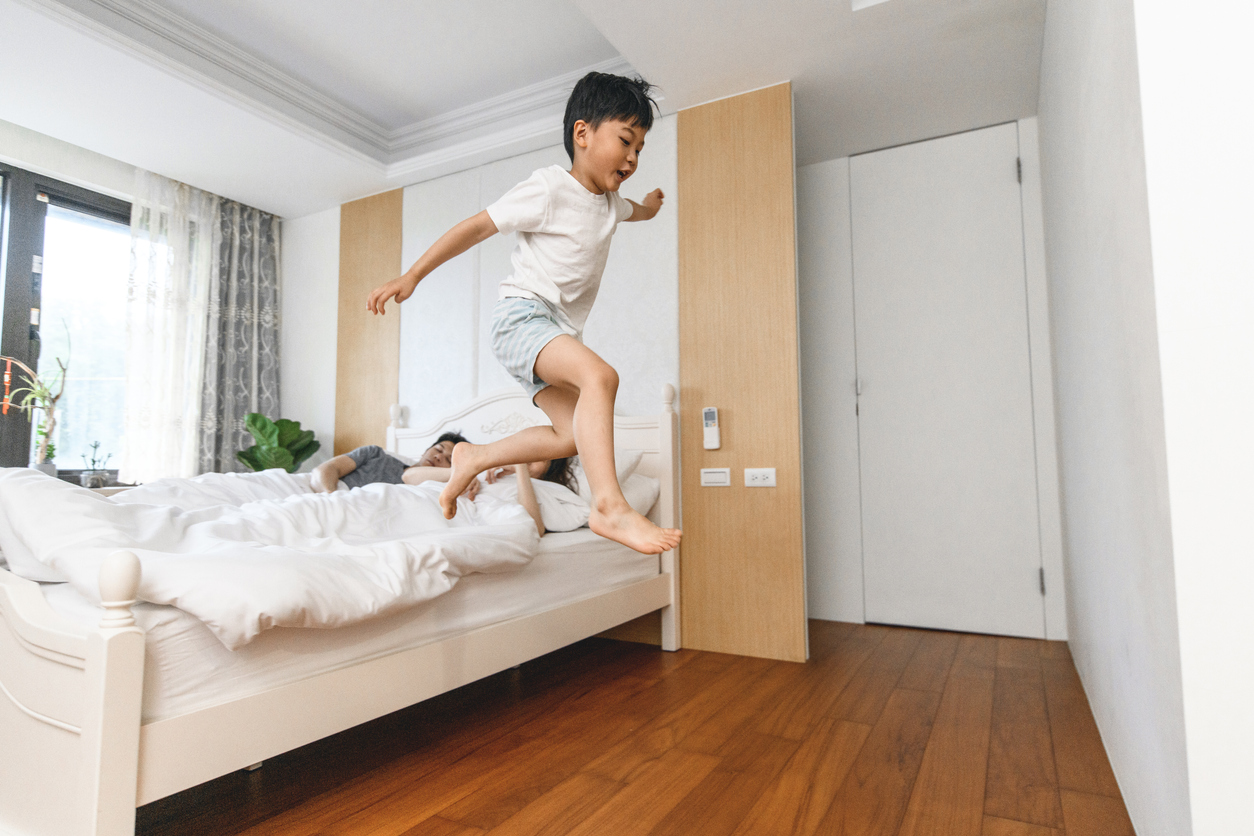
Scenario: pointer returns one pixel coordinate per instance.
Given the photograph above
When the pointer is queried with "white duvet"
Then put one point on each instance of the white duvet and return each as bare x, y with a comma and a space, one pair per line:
247, 552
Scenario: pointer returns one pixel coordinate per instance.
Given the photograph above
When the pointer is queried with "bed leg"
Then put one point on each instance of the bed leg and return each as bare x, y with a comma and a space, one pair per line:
670, 615
115, 680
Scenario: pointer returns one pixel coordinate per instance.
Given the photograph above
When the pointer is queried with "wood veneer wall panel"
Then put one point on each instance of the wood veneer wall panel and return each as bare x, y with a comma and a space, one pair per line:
743, 573
367, 365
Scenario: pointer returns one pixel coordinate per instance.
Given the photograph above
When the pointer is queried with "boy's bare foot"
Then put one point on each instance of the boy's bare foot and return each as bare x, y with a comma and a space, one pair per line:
634, 530
465, 467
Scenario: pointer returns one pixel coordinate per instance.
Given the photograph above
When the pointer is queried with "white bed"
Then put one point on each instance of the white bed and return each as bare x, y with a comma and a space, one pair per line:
87, 735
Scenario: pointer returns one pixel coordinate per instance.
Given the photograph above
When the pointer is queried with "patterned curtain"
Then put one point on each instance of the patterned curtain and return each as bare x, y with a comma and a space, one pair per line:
241, 373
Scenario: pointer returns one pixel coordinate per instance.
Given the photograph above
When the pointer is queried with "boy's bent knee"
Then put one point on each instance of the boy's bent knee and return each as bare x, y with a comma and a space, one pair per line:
604, 377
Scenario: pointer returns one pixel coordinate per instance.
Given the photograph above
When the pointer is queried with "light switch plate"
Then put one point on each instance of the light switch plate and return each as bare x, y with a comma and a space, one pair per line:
716, 477
759, 477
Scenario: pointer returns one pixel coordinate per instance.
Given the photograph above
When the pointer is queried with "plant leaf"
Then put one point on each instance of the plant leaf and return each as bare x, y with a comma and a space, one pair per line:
249, 457
262, 428
274, 457
303, 451
289, 432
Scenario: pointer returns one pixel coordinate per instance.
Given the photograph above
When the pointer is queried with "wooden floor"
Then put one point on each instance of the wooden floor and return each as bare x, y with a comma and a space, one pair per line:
885, 731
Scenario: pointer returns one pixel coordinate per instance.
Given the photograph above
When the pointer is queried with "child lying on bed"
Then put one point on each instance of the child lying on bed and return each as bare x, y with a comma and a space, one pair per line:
371, 464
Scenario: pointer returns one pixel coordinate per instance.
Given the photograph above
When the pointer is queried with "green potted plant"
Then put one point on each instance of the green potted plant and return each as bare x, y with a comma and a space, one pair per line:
37, 394
280, 443
95, 474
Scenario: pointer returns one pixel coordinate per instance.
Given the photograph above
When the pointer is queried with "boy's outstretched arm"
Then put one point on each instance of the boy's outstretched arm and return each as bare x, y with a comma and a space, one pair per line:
456, 241
648, 208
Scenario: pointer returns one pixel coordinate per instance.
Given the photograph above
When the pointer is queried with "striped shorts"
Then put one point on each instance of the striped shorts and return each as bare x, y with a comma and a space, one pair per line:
520, 328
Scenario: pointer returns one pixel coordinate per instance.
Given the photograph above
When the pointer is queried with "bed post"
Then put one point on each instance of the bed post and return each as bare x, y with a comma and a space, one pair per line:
114, 692
668, 437
396, 421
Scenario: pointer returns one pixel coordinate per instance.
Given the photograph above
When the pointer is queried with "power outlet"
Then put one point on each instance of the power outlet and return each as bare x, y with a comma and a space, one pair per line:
759, 477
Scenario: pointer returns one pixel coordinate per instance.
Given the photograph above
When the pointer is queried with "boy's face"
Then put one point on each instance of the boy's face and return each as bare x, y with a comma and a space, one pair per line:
606, 155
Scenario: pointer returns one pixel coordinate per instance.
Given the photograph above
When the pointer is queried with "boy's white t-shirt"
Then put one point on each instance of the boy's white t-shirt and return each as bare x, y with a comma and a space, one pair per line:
564, 234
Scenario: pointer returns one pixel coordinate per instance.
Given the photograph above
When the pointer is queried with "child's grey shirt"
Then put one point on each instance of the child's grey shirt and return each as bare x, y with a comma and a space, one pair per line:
374, 465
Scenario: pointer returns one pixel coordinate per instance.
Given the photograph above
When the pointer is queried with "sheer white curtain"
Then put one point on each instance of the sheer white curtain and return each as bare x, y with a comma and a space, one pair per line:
172, 260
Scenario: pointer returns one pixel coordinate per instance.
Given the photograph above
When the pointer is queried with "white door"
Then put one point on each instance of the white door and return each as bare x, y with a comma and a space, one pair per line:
948, 469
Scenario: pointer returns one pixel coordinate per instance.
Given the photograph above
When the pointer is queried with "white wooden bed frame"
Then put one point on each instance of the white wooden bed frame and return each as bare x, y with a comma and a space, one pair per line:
76, 759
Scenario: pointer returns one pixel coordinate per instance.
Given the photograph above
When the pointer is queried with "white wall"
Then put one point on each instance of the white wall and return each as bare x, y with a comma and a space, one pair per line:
309, 301
68, 163
833, 511
1112, 454
1196, 73
445, 353
635, 324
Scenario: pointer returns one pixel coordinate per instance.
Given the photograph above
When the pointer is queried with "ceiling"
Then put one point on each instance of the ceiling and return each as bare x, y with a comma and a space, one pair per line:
402, 61
299, 105
891, 73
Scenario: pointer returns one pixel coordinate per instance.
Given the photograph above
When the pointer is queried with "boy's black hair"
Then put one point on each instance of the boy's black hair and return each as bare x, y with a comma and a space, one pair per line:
456, 438
598, 97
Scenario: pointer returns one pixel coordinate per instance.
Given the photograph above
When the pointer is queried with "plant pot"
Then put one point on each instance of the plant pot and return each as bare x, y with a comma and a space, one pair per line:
46, 467
94, 478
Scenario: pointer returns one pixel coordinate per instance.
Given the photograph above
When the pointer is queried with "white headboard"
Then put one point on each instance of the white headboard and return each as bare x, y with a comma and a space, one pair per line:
505, 412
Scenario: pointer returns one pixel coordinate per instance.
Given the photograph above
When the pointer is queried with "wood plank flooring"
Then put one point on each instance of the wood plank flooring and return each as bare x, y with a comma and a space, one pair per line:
884, 732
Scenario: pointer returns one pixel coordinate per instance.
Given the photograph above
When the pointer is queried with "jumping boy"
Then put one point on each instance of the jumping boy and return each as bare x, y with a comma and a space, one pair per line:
564, 220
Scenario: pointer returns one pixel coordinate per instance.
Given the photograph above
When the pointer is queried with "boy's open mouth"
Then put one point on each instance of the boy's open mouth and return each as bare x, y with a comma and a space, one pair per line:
623, 174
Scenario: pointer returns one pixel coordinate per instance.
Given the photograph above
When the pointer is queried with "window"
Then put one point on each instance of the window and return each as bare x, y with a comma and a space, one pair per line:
83, 317
65, 266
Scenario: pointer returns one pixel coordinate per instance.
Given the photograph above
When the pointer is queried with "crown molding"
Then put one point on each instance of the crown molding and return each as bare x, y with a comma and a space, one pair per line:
525, 101
476, 149
147, 30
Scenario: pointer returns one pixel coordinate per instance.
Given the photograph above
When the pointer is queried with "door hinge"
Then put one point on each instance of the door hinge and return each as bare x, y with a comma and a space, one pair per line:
1042, 581
37, 265
1019, 168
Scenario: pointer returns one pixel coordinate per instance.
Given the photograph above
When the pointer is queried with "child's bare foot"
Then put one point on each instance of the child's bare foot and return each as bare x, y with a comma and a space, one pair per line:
627, 526
465, 467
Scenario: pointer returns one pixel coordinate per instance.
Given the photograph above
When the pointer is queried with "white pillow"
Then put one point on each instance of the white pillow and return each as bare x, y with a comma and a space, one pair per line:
21, 560
641, 492
561, 509
625, 464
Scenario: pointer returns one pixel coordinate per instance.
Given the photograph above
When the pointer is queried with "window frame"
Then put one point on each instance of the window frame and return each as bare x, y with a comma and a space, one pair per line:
22, 216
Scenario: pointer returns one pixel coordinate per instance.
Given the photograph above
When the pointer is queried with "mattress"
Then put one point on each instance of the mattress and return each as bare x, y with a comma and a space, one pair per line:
186, 668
